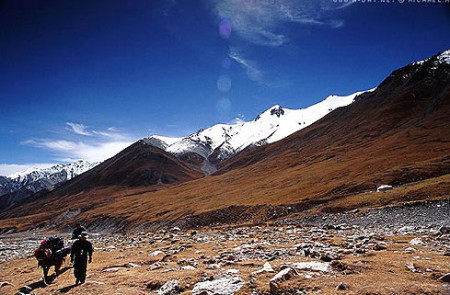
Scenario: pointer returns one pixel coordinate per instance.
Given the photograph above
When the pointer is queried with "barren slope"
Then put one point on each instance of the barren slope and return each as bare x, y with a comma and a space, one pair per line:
140, 167
398, 134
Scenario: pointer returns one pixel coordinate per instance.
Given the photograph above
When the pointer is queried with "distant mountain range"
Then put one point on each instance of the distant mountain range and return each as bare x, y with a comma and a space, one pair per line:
15, 188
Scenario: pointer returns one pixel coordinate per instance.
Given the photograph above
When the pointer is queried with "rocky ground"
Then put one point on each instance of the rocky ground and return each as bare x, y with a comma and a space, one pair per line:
401, 250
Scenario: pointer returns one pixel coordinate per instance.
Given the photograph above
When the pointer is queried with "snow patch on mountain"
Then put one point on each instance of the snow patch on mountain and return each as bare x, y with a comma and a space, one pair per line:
162, 142
224, 140
35, 179
442, 58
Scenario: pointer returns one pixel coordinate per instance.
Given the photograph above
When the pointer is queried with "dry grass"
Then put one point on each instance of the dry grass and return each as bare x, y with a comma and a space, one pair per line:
330, 166
380, 272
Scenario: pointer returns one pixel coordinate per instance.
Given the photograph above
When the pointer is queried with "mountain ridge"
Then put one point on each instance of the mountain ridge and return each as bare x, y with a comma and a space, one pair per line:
222, 141
19, 186
397, 134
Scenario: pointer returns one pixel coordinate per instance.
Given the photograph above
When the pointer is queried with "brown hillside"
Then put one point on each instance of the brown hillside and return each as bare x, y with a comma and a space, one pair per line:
140, 165
398, 134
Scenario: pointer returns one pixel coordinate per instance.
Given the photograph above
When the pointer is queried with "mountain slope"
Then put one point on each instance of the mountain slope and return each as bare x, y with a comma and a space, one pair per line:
140, 164
141, 167
222, 141
18, 187
397, 134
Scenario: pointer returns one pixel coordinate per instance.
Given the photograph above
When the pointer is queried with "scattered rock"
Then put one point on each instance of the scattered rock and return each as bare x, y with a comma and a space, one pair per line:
445, 278
384, 187
379, 247
222, 286
165, 257
170, 288
342, 286
409, 250
95, 283
26, 289
113, 269
157, 265
416, 242
411, 267
284, 275
154, 285
273, 288
2, 284
312, 266
444, 230
328, 256
232, 271
266, 268
130, 265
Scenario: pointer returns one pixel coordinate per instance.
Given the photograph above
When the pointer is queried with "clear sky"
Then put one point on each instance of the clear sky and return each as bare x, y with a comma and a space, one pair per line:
83, 79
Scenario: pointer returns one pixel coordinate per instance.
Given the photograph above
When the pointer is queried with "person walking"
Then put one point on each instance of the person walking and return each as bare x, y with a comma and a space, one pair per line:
77, 231
80, 255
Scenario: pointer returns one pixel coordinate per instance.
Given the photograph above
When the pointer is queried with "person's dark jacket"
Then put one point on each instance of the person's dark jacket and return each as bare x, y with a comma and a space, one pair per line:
77, 232
81, 249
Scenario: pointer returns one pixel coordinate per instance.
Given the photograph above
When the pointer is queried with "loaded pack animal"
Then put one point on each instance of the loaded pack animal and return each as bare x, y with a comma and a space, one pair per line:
50, 253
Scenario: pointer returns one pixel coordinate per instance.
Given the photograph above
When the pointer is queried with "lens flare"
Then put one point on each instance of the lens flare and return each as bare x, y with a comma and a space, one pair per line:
224, 83
225, 28
223, 105
226, 63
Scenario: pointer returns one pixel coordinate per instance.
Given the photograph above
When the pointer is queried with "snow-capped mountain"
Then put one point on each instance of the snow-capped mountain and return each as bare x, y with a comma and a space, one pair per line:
224, 140
56, 172
23, 184
442, 58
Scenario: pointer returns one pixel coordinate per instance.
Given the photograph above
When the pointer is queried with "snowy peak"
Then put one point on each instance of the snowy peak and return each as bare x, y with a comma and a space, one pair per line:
277, 111
224, 140
441, 58
435, 69
35, 179
444, 57
162, 142
71, 170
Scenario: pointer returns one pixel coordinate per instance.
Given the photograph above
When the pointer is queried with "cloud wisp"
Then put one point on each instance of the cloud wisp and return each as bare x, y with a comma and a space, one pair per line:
69, 151
93, 146
264, 23
254, 71
261, 22
251, 67
240, 119
78, 129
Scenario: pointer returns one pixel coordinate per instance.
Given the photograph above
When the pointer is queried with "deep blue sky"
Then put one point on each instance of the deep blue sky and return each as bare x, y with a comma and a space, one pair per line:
82, 79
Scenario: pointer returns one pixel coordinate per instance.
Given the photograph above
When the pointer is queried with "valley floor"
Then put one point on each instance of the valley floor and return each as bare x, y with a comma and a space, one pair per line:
404, 250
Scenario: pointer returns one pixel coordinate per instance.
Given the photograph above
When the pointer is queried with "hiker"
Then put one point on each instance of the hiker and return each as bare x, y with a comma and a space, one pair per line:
77, 231
81, 249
